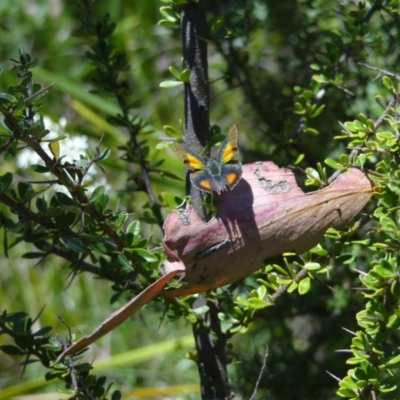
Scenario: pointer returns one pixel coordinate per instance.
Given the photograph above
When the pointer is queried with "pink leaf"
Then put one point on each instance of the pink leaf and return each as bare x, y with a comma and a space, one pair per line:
265, 215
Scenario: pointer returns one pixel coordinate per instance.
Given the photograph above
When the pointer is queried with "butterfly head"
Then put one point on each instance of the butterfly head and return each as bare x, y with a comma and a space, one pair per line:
214, 175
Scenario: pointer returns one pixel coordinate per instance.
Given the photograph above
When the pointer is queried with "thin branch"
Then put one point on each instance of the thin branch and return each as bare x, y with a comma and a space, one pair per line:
282, 289
355, 150
391, 103
7, 144
381, 70
146, 179
27, 100
263, 367
49, 182
210, 342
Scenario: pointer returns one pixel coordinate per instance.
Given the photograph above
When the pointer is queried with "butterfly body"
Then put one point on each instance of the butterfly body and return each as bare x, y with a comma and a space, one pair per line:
214, 175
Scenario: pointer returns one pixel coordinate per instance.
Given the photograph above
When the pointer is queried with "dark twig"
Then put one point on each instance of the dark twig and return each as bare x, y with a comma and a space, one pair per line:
45, 182
197, 119
43, 91
211, 352
380, 70
391, 103
282, 289
262, 370
6, 145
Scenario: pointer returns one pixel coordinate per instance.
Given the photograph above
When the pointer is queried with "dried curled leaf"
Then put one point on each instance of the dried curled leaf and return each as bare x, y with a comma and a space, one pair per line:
267, 214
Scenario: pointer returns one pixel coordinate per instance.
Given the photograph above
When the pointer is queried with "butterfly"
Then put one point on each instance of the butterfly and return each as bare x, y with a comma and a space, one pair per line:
214, 175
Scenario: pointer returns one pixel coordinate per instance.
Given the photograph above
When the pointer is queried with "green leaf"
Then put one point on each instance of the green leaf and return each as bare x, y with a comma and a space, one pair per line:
167, 23
12, 350
124, 261
318, 111
312, 266
299, 159
257, 304
171, 131
318, 250
39, 168
41, 204
184, 76
43, 331
304, 285
261, 291
200, 310
169, 84
97, 194
169, 14
61, 199
24, 190
388, 83
395, 289
7, 98
333, 164
164, 145
146, 255
292, 287
52, 347
253, 303
81, 163
320, 79
33, 254
104, 154
388, 223
385, 135
385, 269
116, 395
393, 361
298, 108
171, 200
311, 131
344, 159
313, 173
134, 228
74, 244
5, 181
175, 72
54, 147
171, 175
